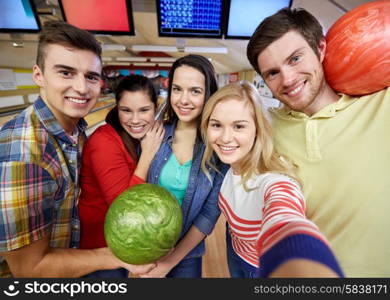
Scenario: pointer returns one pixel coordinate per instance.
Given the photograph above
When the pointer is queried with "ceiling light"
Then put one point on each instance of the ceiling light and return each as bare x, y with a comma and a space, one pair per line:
131, 58
163, 59
18, 44
164, 65
119, 63
146, 64
154, 48
113, 47
158, 48
106, 58
221, 50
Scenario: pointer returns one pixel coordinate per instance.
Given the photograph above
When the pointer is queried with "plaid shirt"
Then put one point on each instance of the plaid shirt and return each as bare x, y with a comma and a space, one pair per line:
39, 167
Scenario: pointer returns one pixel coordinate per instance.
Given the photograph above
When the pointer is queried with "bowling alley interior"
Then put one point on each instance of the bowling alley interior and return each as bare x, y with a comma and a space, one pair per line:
145, 37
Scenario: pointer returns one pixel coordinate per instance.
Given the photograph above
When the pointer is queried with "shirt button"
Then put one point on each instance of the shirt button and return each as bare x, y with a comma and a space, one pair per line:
75, 226
71, 161
165, 158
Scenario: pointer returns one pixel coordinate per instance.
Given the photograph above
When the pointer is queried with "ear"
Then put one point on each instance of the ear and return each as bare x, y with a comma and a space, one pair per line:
38, 76
322, 49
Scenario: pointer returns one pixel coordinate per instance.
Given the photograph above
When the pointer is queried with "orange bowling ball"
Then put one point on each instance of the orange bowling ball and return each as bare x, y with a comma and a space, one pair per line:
357, 59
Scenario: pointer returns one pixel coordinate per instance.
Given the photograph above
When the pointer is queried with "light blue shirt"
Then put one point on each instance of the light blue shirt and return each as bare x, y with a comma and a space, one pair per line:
175, 177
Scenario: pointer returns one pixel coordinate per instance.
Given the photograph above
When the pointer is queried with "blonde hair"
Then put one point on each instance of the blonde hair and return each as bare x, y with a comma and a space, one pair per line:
263, 157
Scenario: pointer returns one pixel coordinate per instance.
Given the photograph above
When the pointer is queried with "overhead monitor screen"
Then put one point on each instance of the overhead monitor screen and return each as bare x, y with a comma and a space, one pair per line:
100, 16
244, 16
18, 16
190, 18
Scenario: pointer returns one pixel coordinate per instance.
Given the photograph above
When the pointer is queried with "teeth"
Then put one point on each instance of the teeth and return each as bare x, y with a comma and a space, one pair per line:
224, 148
136, 127
78, 101
296, 90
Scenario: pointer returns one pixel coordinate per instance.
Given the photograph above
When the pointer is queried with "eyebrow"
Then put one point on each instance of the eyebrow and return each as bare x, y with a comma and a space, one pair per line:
237, 121
71, 69
286, 60
241, 121
192, 87
146, 106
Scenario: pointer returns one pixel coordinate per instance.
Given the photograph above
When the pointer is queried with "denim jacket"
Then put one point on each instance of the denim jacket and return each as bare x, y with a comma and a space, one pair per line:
200, 203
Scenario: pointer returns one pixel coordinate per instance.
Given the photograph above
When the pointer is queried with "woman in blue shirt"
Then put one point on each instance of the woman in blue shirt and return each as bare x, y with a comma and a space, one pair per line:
177, 165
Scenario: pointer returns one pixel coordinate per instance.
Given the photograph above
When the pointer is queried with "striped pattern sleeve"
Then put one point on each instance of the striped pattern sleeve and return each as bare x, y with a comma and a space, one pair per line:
287, 233
26, 204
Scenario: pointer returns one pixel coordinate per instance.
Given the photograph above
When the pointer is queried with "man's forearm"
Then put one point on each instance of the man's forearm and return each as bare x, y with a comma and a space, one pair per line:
73, 263
38, 259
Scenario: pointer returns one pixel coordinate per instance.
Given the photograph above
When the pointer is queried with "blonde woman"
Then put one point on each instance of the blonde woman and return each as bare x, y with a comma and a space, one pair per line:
268, 233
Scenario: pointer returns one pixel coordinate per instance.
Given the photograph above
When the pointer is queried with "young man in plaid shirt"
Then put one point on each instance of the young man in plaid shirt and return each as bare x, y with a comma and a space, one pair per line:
40, 160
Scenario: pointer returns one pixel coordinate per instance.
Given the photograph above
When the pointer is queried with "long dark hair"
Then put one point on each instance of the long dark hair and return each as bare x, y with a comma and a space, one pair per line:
132, 83
204, 66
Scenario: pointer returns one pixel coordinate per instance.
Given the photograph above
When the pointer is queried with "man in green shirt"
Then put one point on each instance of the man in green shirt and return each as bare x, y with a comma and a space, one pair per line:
337, 142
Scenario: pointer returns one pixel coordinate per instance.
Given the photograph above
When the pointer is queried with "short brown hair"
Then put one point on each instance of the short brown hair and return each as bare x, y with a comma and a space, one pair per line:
275, 26
62, 33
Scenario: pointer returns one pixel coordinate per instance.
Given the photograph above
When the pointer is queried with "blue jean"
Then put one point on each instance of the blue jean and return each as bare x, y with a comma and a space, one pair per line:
238, 268
187, 268
116, 273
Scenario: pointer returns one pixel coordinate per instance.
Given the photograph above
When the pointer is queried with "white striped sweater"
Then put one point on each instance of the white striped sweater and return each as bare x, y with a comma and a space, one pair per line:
272, 210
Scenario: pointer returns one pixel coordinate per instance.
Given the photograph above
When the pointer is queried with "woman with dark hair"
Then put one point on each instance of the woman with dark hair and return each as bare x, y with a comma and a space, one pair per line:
111, 162
177, 166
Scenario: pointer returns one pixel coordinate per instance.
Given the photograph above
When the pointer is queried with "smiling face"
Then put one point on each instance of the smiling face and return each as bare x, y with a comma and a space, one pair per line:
136, 113
231, 131
294, 73
188, 93
69, 83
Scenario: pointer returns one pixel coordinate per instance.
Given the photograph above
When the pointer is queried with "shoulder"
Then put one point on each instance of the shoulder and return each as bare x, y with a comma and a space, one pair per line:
375, 98
103, 144
104, 129
22, 120
383, 95
18, 134
280, 183
276, 179
272, 177
104, 133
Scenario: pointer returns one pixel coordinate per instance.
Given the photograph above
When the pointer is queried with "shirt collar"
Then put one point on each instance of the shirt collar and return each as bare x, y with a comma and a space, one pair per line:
170, 130
328, 111
170, 133
50, 122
